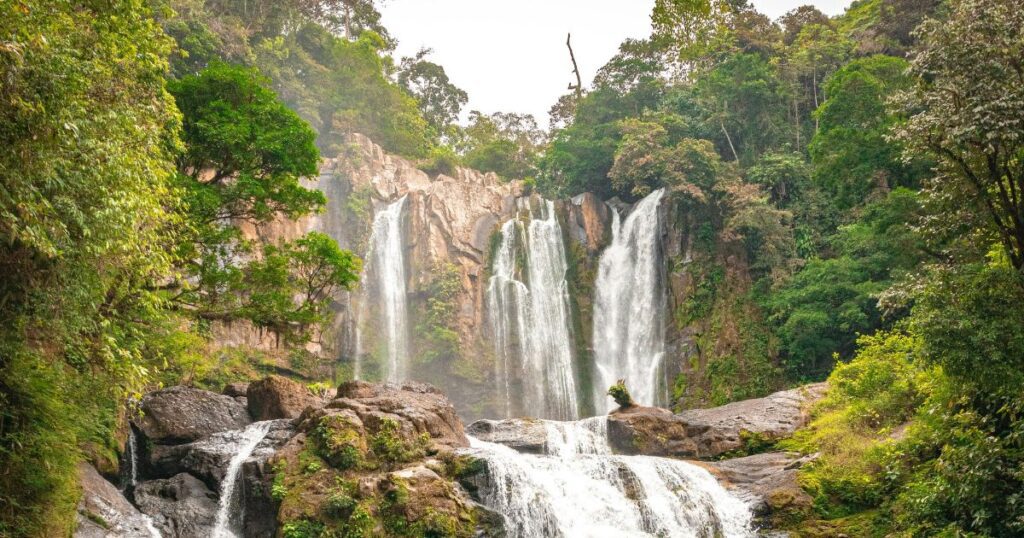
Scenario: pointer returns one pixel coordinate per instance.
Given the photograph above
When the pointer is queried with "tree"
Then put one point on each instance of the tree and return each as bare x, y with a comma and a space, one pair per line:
851, 154
966, 105
439, 100
744, 106
245, 153
505, 143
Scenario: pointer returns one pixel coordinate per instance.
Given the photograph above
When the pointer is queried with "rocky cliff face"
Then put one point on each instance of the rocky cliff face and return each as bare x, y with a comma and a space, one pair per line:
449, 229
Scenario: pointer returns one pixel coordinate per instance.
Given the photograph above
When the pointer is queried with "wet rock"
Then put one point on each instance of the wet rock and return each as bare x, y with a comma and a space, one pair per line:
769, 481
589, 221
104, 512
417, 407
708, 433
277, 397
651, 431
208, 459
184, 414
181, 506
523, 435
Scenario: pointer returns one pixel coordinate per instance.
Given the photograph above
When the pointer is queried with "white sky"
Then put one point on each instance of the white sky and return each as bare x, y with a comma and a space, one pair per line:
510, 55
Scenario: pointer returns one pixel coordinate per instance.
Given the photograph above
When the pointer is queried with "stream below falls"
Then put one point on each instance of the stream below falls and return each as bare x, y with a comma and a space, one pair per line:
578, 488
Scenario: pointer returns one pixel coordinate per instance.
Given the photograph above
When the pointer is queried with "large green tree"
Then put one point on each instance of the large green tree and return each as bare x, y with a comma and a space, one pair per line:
245, 153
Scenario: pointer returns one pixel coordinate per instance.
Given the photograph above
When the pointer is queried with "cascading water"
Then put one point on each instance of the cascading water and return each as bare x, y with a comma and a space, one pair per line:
386, 256
579, 489
629, 306
528, 309
131, 477
228, 515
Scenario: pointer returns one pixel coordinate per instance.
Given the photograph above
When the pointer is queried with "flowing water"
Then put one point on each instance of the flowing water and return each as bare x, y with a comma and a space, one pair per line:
629, 308
389, 304
228, 514
528, 310
131, 478
579, 489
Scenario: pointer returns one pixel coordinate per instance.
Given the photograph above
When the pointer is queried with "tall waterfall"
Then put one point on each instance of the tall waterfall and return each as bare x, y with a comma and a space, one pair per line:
528, 310
386, 269
629, 308
579, 489
225, 527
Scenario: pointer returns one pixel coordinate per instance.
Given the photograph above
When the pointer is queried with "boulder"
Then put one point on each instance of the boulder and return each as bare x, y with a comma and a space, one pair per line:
277, 397
184, 414
418, 408
651, 431
708, 433
104, 512
769, 481
524, 435
181, 506
208, 459
770, 418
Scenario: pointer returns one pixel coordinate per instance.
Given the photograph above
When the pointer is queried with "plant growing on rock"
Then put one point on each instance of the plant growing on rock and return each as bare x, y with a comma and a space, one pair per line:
621, 395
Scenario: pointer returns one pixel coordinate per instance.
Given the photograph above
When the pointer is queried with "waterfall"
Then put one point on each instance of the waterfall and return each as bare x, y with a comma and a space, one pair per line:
528, 310
579, 489
629, 305
249, 439
386, 263
131, 478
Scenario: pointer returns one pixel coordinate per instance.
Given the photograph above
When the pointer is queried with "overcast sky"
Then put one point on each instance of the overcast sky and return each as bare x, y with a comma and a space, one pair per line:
510, 55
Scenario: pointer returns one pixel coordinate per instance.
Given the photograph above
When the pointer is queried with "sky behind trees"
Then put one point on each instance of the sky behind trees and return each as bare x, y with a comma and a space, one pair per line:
511, 56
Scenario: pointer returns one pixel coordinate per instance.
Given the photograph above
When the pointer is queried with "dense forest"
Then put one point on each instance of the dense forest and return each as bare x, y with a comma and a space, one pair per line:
868, 168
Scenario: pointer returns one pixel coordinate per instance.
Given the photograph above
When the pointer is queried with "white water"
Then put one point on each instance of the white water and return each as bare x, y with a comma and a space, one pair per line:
386, 257
131, 446
528, 310
581, 490
629, 306
249, 439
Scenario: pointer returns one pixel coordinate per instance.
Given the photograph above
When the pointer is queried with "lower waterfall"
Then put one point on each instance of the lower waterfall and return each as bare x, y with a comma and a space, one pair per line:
528, 310
629, 308
579, 489
227, 512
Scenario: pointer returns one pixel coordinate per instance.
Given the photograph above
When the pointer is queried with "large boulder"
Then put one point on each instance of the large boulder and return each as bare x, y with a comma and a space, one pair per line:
184, 414
277, 397
652, 431
104, 512
208, 459
708, 433
181, 506
418, 408
769, 482
522, 434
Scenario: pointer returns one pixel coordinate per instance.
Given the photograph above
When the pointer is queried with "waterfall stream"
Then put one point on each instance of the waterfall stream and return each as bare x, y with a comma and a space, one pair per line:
579, 489
386, 269
629, 308
528, 310
227, 514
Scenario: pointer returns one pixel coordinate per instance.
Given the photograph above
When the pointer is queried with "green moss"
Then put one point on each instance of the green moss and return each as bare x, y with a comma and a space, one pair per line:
753, 443
390, 448
337, 441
